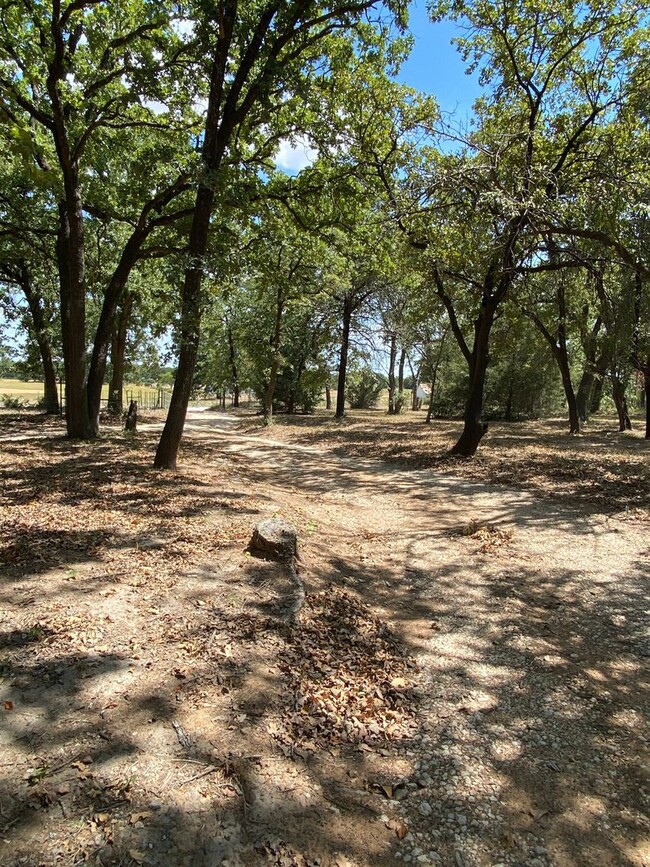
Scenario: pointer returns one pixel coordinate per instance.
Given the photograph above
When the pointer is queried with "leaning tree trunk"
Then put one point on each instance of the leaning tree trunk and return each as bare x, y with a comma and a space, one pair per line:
170, 440
36, 309
106, 325
343, 359
118, 352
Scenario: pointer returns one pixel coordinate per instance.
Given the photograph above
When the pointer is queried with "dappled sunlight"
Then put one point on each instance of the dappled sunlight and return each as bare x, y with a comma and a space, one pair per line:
504, 716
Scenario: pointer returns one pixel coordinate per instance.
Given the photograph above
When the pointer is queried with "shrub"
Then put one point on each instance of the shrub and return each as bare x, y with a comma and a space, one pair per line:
363, 388
10, 401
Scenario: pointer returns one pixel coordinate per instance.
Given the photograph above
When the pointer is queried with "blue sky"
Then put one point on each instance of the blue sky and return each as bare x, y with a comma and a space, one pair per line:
435, 66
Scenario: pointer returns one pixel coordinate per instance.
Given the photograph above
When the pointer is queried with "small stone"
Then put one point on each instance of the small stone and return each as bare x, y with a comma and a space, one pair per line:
425, 809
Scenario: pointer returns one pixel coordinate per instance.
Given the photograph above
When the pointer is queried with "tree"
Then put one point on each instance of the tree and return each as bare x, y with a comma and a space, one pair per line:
79, 82
555, 74
261, 56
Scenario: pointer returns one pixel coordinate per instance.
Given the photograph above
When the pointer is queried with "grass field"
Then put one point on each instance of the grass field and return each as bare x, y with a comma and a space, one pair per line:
32, 392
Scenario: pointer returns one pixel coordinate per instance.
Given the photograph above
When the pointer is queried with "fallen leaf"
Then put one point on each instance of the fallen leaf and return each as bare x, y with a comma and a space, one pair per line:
399, 827
9, 705
137, 855
138, 817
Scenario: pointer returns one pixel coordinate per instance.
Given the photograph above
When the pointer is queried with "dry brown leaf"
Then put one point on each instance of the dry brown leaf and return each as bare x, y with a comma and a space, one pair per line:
138, 817
399, 827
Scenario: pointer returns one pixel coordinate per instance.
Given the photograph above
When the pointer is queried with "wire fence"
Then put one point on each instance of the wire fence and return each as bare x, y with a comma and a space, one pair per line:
148, 398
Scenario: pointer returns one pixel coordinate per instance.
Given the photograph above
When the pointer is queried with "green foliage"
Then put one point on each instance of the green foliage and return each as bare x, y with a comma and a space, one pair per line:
364, 387
11, 402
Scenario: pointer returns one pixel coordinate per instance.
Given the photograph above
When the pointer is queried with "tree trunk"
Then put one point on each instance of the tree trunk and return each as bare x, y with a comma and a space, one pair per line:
620, 401
572, 406
328, 396
646, 393
585, 387
583, 394
434, 375
170, 440
106, 325
70, 258
118, 350
399, 402
416, 402
559, 349
391, 373
36, 309
474, 429
269, 394
596, 395
131, 423
343, 359
232, 358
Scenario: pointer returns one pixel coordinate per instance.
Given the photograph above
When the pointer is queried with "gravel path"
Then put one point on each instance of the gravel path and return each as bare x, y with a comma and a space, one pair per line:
527, 618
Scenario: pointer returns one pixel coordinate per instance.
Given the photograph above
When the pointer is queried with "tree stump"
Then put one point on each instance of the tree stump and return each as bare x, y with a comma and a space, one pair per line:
132, 416
275, 538
278, 539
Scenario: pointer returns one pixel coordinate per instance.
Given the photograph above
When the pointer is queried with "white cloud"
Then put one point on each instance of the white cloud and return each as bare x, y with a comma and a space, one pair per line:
294, 157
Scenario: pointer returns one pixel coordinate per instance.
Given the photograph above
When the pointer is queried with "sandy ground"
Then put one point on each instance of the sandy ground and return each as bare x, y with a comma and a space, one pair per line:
466, 685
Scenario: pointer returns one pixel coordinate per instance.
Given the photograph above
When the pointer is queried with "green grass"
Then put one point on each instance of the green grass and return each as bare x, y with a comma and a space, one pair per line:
32, 392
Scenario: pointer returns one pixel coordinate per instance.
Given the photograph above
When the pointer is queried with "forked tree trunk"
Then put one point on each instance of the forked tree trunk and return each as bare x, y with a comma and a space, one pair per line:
558, 346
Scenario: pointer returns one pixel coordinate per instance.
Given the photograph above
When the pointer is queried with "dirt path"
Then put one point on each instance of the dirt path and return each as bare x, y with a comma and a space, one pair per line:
509, 630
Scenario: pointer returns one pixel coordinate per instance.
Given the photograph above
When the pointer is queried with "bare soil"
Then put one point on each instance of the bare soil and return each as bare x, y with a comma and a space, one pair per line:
466, 684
